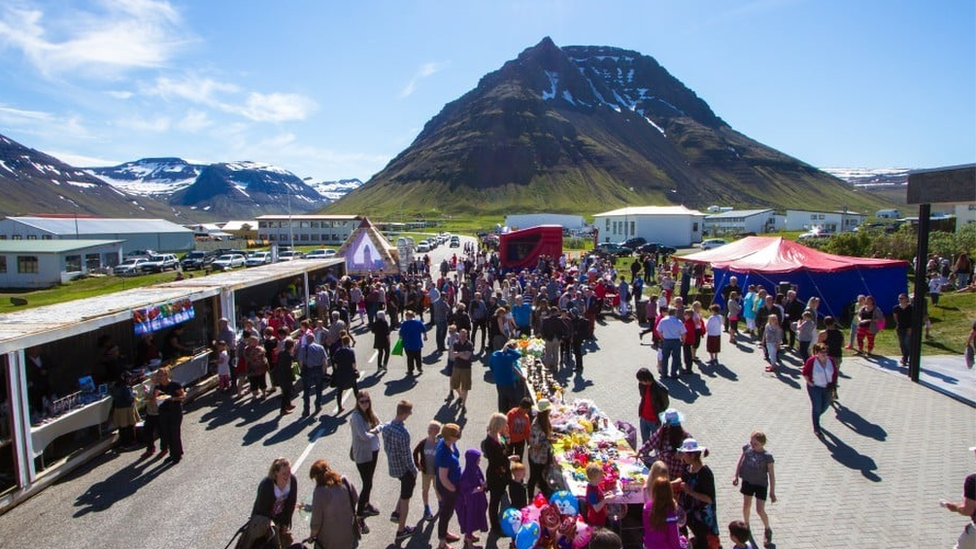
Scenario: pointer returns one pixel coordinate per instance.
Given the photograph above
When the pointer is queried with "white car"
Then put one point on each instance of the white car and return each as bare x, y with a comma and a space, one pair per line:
228, 261
289, 255
712, 243
130, 267
320, 254
423, 247
257, 259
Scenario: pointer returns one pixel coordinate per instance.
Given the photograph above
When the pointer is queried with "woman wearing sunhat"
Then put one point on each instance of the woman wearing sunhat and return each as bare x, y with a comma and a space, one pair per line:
540, 448
666, 441
698, 496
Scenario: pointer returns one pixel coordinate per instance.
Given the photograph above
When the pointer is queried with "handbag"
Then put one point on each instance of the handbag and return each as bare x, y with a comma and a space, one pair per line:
357, 532
397, 348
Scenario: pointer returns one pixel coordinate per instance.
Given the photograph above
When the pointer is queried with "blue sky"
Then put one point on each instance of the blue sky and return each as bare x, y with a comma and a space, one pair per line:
335, 90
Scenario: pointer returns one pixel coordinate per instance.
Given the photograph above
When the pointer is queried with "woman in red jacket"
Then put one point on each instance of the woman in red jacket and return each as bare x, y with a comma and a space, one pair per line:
820, 373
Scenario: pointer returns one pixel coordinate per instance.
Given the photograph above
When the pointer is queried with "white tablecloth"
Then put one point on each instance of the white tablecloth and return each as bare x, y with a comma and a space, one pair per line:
88, 415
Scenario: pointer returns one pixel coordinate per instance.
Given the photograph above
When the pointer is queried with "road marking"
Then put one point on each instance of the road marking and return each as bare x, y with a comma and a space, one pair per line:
372, 358
308, 449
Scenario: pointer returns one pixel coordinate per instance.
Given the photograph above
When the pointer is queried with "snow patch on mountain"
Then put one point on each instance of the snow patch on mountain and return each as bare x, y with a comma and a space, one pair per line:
334, 190
870, 176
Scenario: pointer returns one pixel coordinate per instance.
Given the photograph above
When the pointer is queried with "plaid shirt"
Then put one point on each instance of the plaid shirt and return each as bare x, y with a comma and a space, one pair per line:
659, 443
396, 441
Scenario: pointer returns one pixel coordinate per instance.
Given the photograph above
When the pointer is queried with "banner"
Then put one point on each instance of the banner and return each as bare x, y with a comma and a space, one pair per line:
162, 316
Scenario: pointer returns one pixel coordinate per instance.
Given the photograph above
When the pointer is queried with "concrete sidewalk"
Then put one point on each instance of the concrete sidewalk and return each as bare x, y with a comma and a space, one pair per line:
946, 374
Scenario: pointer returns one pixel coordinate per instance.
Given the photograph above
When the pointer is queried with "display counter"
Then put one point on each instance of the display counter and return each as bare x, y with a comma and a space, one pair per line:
187, 371
88, 415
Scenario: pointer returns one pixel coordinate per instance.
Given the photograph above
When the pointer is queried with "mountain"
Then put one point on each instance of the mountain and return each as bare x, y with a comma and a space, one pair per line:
243, 190
334, 190
585, 129
33, 182
150, 176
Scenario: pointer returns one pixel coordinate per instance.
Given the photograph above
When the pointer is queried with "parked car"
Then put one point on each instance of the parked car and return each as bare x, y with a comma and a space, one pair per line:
611, 248
423, 247
257, 258
633, 243
197, 259
159, 263
228, 261
320, 254
289, 255
813, 235
139, 253
455, 242
655, 248
712, 243
129, 267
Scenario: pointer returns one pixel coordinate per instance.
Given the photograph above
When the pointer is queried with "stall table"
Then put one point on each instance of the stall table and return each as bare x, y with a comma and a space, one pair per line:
89, 415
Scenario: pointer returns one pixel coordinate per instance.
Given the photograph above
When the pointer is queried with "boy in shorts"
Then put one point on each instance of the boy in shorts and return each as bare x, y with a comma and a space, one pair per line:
755, 468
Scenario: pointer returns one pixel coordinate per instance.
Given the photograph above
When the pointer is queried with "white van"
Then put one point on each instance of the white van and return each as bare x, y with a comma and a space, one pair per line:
888, 214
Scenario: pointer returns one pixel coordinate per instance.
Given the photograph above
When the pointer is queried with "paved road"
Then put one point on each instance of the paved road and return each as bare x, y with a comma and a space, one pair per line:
892, 451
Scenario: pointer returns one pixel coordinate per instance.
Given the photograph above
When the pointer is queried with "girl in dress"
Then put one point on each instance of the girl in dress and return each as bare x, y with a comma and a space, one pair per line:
472, 503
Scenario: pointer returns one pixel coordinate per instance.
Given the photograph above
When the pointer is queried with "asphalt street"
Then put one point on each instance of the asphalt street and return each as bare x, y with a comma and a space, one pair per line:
893, 449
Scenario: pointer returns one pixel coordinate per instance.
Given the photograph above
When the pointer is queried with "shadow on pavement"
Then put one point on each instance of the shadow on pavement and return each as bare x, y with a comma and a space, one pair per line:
580, 383
849, 457
713, 370
260, 430
678, 390
853, 421
397, 386
448, 413
122, 484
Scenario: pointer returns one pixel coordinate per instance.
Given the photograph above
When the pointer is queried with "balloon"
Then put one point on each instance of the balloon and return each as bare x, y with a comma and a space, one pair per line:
565, 502
527, 536
539, 500
549, 517
568, 527
583, 533
530, 514
510, 521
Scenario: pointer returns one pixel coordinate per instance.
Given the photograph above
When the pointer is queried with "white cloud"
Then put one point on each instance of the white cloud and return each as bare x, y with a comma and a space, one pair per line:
82, 161
277, 107
195, 121
425, 70
121, 35
155, 124
193, 88
120, 94
43, 123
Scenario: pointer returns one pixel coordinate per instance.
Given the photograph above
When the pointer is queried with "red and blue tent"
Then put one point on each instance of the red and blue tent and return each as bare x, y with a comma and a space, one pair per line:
835, 279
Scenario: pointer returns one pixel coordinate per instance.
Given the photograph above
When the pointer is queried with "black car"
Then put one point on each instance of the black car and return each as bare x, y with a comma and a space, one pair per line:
197, 259
610, 248
655, 248
633, 243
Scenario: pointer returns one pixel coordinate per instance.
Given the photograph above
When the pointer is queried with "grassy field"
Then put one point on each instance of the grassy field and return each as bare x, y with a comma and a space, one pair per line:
82, 288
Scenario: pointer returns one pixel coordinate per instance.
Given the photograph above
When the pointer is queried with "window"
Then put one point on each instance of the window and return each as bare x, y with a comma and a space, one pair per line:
813, 217
608, 223
32, 237
821, 216
262, 224
27, 264
303, 224
694, 227
72, 263
17, 237
633, 225
304, 237
315, 224
3, 263
91, 262
3, 237
46, 237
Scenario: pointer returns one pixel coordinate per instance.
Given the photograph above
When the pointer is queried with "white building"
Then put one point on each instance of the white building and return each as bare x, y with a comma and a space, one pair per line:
670, 225
525, 221
46, 263
138, 234
307, 229
740, 221
824, 221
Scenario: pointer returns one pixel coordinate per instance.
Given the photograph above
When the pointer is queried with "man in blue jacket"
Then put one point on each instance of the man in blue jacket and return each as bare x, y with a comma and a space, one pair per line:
508, 376
413, 332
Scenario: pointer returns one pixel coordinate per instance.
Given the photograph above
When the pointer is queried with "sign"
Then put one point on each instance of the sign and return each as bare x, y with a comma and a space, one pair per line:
162, 316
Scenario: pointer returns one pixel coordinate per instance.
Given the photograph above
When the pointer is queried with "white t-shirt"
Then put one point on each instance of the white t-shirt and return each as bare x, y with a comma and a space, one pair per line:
714, 325
223, 364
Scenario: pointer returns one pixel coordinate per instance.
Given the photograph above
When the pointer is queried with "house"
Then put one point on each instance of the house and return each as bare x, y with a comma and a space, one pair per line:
247, 230
823, 220
676, 226
307, 229
137, 234
46, 263
740, 221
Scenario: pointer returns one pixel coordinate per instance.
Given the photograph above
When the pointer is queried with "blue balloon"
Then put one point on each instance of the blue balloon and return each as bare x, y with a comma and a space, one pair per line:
527, 536
511, 521
565, 502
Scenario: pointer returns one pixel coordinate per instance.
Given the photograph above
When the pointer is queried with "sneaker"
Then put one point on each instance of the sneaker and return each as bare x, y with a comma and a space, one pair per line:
362, 527
406, 533
428, 516
370, 510
394, 517
770, 368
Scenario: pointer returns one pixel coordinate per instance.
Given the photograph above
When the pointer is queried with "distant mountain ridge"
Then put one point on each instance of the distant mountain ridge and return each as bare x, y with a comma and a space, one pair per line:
584, 129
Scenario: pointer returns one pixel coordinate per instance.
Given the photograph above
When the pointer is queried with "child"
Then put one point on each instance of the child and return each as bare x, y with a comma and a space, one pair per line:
772, 338
935, 286
740, 534
755, 468
223, 366
713, 333
805, 329
749, 309
517, 494
519, 428
424, 456
472, 502
596, 499
735, 310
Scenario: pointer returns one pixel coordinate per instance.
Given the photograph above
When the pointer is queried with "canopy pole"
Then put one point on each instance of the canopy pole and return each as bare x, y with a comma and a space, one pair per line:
918, 307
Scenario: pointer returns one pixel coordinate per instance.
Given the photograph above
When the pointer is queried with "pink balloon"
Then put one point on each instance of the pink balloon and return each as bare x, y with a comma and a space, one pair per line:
583, 533
530, 514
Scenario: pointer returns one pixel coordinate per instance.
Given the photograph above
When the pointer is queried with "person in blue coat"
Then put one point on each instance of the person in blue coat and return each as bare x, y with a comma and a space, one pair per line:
413, 332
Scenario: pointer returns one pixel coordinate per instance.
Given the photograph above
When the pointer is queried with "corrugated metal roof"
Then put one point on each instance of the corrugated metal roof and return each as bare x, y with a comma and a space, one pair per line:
737, 213
40, 325
650, 210
51, 246
88, 225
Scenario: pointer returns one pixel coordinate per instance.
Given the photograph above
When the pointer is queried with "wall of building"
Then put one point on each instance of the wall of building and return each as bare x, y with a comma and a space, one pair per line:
670, 230
159, 242
328, 233
56, 268
832, 222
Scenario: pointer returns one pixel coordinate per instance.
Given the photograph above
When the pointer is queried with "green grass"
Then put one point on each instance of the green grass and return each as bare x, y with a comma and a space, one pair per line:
83, 288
